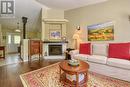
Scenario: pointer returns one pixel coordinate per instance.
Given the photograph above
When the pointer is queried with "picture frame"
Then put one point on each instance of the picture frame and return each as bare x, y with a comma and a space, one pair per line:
101, 32
55, 34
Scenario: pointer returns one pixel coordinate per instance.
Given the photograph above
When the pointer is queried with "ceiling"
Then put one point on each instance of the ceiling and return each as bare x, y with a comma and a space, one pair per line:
32, 8
28, 8
68, 4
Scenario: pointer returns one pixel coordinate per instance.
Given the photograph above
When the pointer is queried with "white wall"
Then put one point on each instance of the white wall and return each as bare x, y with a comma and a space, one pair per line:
24, 49
112, 10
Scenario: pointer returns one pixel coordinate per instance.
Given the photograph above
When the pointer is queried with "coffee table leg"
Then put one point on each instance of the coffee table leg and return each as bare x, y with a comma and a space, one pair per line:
86, 78
60, 74
77, 79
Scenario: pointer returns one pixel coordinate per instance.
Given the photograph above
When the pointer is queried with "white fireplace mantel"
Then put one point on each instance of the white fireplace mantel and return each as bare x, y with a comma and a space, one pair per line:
54, 20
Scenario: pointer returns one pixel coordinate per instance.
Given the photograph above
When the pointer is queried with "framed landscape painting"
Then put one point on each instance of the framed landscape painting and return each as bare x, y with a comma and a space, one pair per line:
101, 32
55, 34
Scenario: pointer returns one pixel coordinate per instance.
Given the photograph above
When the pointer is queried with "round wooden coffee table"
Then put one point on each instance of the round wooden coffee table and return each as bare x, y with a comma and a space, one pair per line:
66, 69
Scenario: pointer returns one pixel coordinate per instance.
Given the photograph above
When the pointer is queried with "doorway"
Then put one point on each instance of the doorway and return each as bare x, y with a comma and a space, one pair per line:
13, 42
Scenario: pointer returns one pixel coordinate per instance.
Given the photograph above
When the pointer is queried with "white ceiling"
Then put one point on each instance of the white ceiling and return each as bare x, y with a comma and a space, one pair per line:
27, 8
32, 8
68, 4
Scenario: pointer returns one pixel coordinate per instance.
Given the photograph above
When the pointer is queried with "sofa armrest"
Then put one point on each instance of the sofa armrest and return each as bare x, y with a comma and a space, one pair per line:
73, 52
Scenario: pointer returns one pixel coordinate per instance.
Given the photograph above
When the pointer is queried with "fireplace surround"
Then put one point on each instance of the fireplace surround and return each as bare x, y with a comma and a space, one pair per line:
54, 49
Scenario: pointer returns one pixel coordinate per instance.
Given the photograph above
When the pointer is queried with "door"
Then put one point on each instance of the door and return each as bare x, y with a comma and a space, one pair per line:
13, 42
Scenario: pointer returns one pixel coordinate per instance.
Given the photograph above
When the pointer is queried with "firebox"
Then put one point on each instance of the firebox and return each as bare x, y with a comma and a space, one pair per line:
55, 50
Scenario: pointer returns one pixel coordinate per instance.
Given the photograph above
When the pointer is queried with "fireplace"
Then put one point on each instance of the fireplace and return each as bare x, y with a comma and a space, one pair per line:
55, 49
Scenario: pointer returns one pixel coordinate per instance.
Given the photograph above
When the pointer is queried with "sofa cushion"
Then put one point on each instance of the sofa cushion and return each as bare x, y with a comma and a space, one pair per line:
119, 63
97, 59
85, 48
81, 56
119, 50
100, 49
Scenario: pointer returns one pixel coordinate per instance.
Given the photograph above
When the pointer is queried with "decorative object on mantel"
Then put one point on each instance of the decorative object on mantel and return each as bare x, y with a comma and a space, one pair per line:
101, 32
63, 38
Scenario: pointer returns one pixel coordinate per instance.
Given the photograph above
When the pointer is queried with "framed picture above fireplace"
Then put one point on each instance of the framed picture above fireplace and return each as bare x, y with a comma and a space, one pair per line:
55, 34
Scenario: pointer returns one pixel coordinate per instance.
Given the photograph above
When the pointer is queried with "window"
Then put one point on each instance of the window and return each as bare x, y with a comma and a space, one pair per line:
9, 39
16, 39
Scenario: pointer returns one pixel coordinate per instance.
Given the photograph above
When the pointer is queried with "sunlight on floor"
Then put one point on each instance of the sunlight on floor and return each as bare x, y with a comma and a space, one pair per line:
10, 59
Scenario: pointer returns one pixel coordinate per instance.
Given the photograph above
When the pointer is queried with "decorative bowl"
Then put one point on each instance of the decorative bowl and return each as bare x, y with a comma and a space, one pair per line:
73, 62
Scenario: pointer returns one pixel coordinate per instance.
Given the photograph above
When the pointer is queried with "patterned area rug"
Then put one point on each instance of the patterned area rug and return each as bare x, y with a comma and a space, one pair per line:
49, 77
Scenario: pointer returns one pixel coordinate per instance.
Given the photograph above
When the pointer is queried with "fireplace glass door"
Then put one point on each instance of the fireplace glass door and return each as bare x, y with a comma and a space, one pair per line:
55, 50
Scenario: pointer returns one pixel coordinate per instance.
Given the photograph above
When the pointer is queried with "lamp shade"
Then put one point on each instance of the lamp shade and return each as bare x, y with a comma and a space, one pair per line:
77, 39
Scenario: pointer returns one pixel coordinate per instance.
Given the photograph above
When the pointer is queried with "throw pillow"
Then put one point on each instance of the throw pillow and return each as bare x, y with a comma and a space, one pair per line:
119, 50
85, 48
100, 49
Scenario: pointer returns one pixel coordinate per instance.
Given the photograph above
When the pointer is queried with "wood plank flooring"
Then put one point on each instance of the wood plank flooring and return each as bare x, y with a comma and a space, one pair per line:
10, 59
9, 74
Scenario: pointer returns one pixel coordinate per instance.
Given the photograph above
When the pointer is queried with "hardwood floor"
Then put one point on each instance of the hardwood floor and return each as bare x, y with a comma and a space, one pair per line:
9, 74
10, 59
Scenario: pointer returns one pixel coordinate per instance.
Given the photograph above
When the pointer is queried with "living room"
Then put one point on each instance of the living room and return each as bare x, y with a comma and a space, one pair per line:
62, 26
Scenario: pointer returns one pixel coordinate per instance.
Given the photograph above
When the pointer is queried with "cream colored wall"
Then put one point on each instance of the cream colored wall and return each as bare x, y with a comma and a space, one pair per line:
30, 34
52, 14
4, 33
0, 35
112, 10
49, 27
33, 35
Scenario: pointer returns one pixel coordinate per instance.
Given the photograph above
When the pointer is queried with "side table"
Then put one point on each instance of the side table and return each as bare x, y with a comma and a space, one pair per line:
70, 70
3, 49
